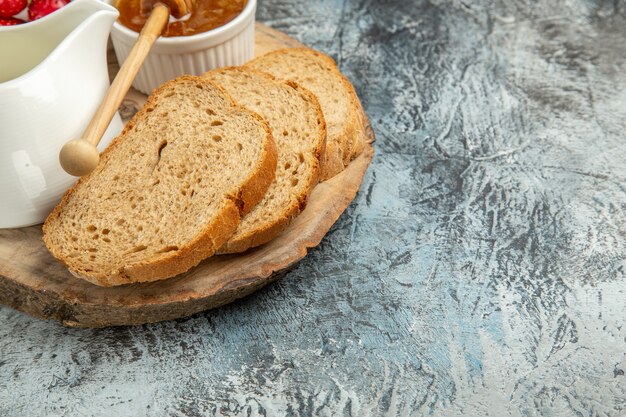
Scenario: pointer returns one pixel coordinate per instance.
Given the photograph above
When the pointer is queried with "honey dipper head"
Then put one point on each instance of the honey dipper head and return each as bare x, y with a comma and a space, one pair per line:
79, 157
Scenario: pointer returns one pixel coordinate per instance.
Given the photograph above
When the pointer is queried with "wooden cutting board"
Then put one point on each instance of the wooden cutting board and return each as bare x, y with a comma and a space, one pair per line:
32, 281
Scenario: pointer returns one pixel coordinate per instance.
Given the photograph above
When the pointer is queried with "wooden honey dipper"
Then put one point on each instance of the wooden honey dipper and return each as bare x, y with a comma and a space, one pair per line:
79, 157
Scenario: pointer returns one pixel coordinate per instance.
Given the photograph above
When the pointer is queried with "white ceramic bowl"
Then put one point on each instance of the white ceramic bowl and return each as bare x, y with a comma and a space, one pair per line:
231, 44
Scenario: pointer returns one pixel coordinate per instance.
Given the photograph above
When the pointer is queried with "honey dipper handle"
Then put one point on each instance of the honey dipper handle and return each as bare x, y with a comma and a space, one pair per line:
124, 78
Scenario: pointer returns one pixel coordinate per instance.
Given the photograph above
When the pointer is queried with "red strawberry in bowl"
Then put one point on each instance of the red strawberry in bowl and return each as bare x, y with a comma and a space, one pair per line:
10, 21
10, 8
40, 8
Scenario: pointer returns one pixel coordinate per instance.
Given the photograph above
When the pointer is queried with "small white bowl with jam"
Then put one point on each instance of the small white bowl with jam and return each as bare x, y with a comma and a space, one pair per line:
217, 33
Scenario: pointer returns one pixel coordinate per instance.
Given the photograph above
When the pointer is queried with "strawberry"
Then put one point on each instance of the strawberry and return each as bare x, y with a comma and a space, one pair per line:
10, 21
10, 8
40, 8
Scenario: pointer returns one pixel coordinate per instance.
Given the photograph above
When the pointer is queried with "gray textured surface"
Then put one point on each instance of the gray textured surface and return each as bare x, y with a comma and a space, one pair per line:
480, 271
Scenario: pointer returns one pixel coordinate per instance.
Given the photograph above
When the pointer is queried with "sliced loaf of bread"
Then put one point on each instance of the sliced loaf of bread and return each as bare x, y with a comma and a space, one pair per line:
169, 191
342, 110
298, 127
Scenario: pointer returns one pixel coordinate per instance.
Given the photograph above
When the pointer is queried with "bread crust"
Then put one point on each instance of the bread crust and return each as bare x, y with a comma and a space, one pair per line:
320, 150
206, 242
254, 188
348, 142
269, 230
173, 263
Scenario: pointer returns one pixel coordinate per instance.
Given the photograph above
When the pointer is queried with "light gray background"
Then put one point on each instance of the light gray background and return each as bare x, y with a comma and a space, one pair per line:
479, 272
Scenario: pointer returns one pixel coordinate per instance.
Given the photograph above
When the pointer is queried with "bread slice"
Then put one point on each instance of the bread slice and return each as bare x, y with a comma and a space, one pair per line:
169, 191
298, 127
342, 110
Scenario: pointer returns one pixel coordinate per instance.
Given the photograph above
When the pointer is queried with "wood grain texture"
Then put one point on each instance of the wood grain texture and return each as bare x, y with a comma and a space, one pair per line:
480, 272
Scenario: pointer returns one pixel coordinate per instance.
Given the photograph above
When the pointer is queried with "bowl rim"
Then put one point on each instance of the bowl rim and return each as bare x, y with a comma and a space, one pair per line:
214, 36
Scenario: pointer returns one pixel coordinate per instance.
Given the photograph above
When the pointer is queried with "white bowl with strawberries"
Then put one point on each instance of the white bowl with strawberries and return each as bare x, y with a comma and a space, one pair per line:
17, 12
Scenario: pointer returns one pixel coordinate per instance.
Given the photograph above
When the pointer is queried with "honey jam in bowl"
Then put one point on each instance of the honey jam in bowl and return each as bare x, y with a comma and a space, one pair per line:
205, 16
218, 33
